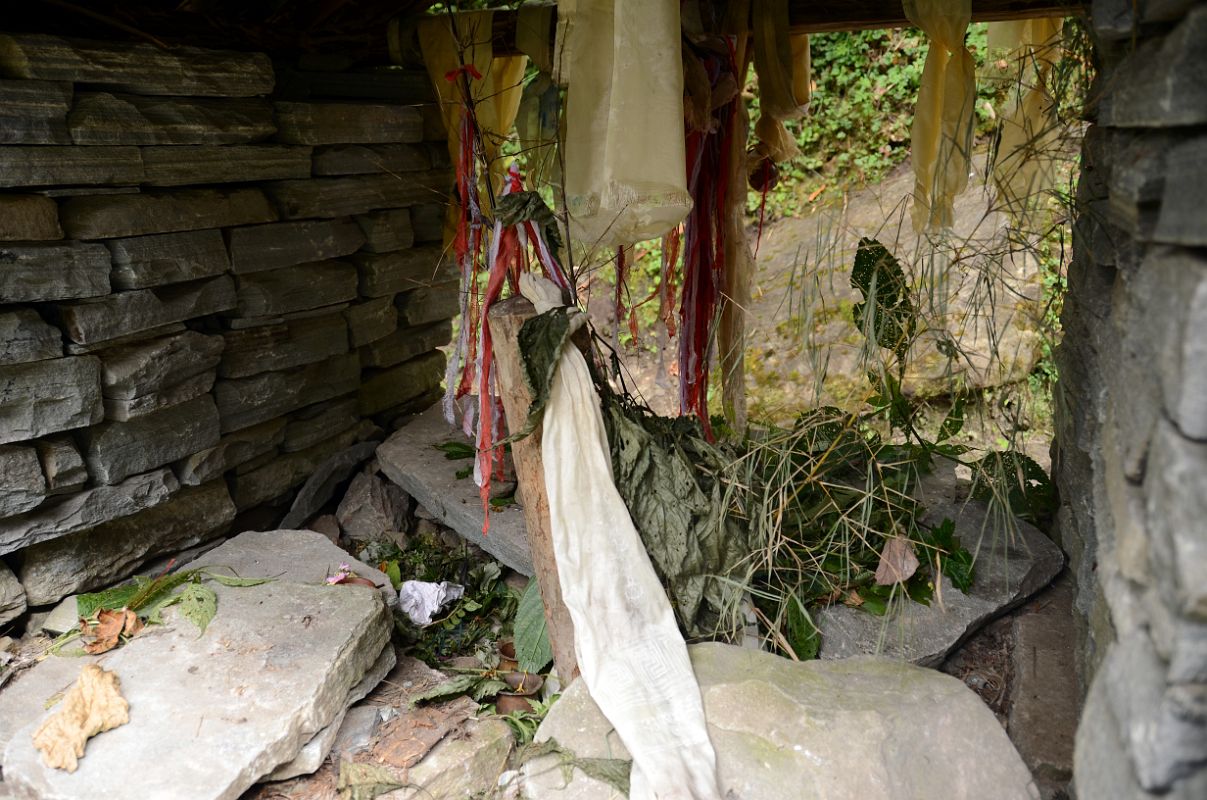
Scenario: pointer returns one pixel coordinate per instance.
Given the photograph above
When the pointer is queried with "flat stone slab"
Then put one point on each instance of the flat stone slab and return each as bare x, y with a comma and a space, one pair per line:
28, 218
265, 348
48, 396
53, 272
212, 714
34, 112
234, 163
337, 123
247, 401
25, 336
326, 198
403, 345
140, 262
125, 313
113, 216
386, 389
864, 727
67, 166
283, 244
410, 459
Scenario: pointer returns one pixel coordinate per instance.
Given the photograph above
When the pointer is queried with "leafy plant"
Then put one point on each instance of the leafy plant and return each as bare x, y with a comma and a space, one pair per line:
532, 648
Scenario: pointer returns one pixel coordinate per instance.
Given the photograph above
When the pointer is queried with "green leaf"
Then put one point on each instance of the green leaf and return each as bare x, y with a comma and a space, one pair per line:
803, 635
453, 687
887, 312
198, 604
532, 647
234, 580
454, 450
394, 573
487, 688
463, 473
1015, 478
87, 605
953, 423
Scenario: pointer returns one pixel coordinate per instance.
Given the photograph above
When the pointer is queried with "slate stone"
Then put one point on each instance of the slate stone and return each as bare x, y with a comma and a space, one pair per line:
371, 320
12, 596
22, 485
427, 305
325, 198
1181, 220
405, 344
338, 123
126, 313
138, 336
289, 470
284, 244
247, 401
34, 272
59, 166
123, 410
145, 261
284, 346
433, 123
400, 271
101, 118
62, 464
1175, 488
136, 67
116, 450
427, 220
382, 390
372, 509
387, 230
97, 557
34, 112
137, 369
321, 484
49, 396
86, 509
355, 159
181, 166
225, 721
321, 421
28, 218
403, 87
299, 288
232, 449
467, 764
115, 216
25, 336
1162, 83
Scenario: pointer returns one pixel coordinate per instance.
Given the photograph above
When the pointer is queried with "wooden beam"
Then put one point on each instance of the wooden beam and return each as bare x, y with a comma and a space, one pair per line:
505, 320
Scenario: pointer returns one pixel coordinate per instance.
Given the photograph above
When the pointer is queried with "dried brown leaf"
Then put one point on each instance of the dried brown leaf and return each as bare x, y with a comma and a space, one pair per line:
897, 562
110, 626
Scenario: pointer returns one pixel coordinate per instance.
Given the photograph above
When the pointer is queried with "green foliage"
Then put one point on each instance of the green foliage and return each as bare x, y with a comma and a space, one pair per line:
887, 312
1016, 479
198, 604
532, 647
454, 450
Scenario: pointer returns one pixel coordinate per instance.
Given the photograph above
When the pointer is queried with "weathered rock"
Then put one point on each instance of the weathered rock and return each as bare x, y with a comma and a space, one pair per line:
284, 244
207, 742
385, 389
28, 218
1175, 487
35, 272
25, 336
76, 349
402, 270
405, 344
1162, 82
181, 166
44, 397
96, 557
428, 304
141, 68
115, 450
299, 288
136, 369
427, 220
371, 508
62, 464
1185, 172
283, 346
829, 730
124, 119
338, 123
355, 159
145, 261
64, 617
246, 401
34, 112
465, 765
87, 509
321, 421
387, 230
22, 484
410, 459
403, 87
123, 409
326, 198
114, 216
64, 166
356, 732
232, 449
125, 313
371, 320
321, 485
288, 470
325, 524
12, 596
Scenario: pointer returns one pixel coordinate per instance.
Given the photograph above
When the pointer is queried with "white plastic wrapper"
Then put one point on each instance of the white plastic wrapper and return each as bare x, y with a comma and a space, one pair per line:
421, 600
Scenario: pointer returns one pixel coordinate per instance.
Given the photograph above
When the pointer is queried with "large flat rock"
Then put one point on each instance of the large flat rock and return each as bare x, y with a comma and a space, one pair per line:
22, 484
28, 218
112, 216
132, 370
232, 163
259, 398
25, 336
125, 313
867, 728
337, 197
410, 459
212, 714
385, 389
34, 112
140, 262
35, 272
67, 166
299, 288
337, 123
283, 244
285, 345
403, 345
115, 450
49, 396
402, 270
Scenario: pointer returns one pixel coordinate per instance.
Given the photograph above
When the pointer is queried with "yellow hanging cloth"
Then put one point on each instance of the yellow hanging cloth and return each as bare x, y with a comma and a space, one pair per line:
941, 148
782, 63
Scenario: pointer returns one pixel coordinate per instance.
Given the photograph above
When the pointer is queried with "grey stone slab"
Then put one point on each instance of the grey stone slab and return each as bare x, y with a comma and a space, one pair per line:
141, 262
312, 424
59, 166
399, 86
25, 336
125, 313
410, 459
232, 450
321, 484
131, 338
387, 230
247, 401
115, 450
22, 484
43, 397
358, 159
465, 765
298, 288
28, 218
384, 389
405, 344
12, 595
890, 731
34, 112
208, 742
427, 220
63, 618
100, 118
325, 198
123, 410
136, 67
1181, 219
36, 272
290, 470
86, 509
99, 556
371, 320
62, 464
402, 270
428, 304
182, 166
1162, 83
284, 244
373, 509
116, 216
1175, 488
337, 123
137, 369
283, 346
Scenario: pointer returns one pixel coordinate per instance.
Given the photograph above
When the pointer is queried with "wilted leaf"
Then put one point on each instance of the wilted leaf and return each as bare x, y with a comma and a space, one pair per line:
455, 450
109, 627
198, 603
93, 705
233, 580
897, 562
365, 781
457, 685
532, 648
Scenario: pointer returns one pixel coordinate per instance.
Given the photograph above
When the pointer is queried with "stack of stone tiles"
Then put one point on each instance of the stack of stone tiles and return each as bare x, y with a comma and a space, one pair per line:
206, 289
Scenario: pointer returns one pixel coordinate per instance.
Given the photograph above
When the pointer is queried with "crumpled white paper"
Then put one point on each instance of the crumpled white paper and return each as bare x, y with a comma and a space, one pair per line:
420, 600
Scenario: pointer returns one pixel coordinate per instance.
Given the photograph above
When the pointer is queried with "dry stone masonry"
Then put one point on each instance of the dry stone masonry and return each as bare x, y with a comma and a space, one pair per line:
216, 273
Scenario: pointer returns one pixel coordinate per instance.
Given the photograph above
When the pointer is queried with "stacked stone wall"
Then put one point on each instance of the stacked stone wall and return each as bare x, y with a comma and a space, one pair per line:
214, 275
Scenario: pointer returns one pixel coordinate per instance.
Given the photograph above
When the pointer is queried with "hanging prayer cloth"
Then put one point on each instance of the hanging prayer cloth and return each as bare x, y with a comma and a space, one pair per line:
782, 63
